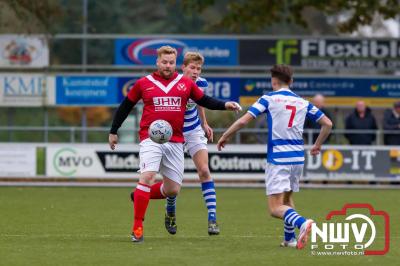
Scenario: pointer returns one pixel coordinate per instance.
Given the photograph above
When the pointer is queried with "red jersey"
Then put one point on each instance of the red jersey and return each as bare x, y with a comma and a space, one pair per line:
164, 99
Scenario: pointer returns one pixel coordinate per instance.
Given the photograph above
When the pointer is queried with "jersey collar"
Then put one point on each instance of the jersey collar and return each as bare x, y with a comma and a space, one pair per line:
284, 89
171, 83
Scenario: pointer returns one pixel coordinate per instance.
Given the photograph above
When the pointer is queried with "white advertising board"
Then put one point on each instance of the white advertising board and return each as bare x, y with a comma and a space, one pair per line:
28, 51
17, 160
29, 90
236, 162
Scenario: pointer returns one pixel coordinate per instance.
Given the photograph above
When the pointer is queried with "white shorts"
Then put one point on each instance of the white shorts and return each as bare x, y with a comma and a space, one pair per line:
195, 140
282, 178
167, 159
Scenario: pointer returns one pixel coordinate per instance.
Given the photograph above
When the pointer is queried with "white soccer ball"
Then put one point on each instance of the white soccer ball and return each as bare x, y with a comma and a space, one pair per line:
160, 131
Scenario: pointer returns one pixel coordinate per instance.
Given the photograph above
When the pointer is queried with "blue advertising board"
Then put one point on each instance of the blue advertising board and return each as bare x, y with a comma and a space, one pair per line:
379, 91
124, 86
143, 51
226, 89
105, 90
86, 90
338, 87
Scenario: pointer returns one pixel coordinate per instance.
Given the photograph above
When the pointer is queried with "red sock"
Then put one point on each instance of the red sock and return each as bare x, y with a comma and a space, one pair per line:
142, 197
155, 192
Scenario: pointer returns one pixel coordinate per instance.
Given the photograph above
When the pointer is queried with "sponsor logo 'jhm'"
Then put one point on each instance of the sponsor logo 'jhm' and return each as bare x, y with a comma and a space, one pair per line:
167, 103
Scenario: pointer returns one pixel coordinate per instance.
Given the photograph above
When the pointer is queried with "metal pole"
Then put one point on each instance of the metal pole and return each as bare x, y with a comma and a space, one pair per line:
378, 135
10, 122
84, 32
84, 125
46, 124
72, 134
310, 137
84, 63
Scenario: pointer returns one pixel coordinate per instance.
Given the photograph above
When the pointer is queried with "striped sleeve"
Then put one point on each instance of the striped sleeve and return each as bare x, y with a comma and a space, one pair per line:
314, 113
259, 107
202, 83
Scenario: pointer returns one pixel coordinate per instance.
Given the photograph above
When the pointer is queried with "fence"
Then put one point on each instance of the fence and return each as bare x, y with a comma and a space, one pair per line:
244, 136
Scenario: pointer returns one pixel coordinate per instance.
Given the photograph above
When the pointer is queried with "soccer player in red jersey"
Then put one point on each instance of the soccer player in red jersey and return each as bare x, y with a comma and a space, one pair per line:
165, 94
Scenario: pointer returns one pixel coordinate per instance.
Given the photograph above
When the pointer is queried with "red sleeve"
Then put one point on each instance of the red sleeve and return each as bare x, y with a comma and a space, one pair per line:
195, 93
135, 94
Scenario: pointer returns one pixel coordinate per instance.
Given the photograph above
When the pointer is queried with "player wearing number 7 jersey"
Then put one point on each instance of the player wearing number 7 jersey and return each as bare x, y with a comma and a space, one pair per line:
286, 113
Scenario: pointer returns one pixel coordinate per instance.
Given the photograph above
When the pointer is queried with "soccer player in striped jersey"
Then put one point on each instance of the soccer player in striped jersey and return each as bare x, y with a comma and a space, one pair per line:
195, 129
286, 113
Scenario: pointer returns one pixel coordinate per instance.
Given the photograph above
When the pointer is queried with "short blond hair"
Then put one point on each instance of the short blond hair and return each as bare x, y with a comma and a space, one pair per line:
166, 49
193, 57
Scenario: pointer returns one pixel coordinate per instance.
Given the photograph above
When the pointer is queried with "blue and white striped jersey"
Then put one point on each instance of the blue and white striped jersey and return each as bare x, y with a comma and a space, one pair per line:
192, 120
286, 113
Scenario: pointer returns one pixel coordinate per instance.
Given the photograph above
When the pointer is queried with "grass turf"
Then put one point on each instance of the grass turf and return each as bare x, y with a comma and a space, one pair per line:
90, 226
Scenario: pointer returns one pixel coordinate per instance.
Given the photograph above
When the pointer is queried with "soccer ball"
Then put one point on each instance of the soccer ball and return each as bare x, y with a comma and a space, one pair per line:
160, 131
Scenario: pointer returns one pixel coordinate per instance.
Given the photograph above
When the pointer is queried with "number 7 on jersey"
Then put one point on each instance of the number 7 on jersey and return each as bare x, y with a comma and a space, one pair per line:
293, 113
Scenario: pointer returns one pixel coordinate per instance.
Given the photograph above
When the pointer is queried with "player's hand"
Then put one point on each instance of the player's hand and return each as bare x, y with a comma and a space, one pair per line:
112, 140
209, 132
233, 106
222, 142
315, 150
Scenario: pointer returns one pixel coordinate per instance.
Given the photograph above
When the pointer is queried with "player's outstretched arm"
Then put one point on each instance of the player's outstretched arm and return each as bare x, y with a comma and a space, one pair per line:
240, 123
119, 117
215, 104
233, 106
326, 126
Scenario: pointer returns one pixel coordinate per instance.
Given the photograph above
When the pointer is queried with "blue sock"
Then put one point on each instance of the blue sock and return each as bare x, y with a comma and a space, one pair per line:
210, 199
292, 218
288, 231
171, 203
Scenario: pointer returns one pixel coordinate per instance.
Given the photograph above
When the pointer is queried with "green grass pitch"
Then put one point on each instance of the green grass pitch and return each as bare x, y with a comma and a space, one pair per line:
90, 226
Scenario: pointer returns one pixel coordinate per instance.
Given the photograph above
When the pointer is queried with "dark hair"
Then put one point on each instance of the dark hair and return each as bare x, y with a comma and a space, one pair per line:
282, 72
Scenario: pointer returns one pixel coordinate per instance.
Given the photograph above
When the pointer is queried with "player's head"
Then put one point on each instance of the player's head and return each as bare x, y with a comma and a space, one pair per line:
192, 65
166, 61
281, 76
318, 100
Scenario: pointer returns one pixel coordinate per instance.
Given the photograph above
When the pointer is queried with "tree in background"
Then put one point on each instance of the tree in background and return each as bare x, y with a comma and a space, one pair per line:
27, 16
251, 16
195, 16
96, 116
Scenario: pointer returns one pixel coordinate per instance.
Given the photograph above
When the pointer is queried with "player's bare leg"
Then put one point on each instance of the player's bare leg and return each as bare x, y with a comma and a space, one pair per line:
171, 190
141, 201
276, 207
290, 216
200, 159
288, 199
